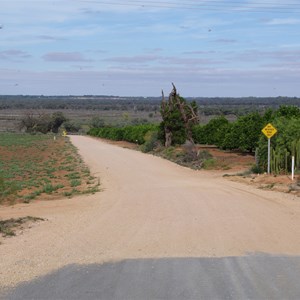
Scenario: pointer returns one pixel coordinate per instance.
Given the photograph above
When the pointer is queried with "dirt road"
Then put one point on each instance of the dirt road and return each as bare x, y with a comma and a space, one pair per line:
149, 208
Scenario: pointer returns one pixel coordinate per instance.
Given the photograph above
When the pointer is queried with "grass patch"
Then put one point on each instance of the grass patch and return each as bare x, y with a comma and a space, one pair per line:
8, 227
168, 153
209, 164
32, 166
50, 188
75, 182
73, 175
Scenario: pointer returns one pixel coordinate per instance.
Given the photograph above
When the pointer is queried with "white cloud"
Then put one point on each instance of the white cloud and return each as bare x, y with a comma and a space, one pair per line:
14, 55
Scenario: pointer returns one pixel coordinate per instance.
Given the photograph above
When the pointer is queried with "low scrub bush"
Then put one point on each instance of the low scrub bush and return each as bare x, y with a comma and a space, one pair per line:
256, 169
209, 163
151, 141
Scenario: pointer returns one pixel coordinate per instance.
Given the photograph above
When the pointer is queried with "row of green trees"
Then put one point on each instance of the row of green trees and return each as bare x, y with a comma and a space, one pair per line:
133, 134
245, 132
245, 135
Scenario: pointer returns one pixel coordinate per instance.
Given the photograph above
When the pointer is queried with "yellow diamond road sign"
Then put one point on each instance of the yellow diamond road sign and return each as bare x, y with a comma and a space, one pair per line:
269, 130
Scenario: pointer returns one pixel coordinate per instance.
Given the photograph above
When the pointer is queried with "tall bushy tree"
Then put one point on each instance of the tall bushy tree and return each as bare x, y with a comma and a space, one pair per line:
57, 119
35, 123
42, 122
179, 117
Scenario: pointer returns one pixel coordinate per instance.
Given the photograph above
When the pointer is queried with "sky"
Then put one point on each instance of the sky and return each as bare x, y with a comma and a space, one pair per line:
230, 48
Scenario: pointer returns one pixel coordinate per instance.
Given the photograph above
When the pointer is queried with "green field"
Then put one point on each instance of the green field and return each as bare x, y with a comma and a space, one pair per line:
41, 167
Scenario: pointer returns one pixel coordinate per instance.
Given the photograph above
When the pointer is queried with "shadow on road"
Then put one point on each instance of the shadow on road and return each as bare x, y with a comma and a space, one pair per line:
250, 277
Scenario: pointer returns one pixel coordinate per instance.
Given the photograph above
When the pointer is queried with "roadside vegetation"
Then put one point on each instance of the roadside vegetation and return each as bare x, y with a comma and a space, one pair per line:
10, 226
133, 134
177, 136
245, 135
35, 166
41, 166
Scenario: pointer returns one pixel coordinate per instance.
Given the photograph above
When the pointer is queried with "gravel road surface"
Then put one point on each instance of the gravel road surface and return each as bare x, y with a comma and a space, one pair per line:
156, 231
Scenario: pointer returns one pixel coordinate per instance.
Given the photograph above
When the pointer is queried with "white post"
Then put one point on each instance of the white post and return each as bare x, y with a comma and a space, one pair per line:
269, 154
293, 166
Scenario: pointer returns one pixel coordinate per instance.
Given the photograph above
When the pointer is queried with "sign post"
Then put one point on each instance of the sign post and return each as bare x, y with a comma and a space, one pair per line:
293, 167
269, 130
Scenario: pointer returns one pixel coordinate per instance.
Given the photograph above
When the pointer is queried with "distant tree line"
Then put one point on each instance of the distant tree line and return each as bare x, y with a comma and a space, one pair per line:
207, 106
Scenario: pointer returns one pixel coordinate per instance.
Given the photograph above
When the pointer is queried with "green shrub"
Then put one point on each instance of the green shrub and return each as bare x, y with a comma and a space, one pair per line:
132, 133
93, 131
136, 134
212, 133
75, 182
151, 141
256, 169
204, 155
48, 188
199, 135
71, 126
8, 189
168, 152
209, 163
244, 133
